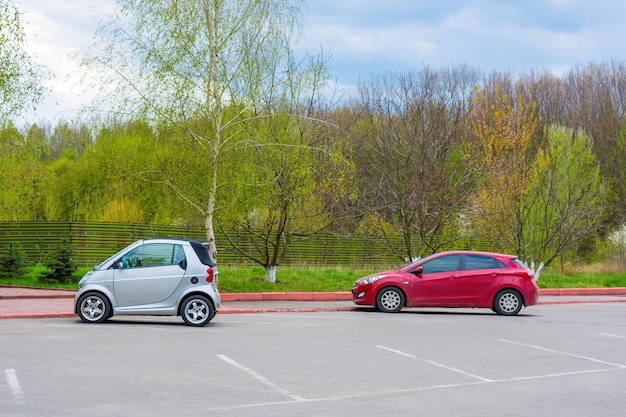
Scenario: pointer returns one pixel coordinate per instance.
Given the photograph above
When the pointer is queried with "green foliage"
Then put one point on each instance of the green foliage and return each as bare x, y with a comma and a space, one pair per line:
60, 265
248, 279
20, 77
567, 198
550, 279
292, 279
12, 262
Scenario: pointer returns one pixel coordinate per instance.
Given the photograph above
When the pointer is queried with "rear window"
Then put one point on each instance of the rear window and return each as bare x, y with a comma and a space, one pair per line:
520, 264
473, 262
203, 253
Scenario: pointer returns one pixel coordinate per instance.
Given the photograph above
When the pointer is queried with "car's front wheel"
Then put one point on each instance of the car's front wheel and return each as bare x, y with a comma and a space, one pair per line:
390, 300
197, 310
508, 302
94, 307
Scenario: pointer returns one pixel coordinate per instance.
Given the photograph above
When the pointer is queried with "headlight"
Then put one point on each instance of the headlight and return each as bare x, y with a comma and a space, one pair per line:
84, 278
371, 280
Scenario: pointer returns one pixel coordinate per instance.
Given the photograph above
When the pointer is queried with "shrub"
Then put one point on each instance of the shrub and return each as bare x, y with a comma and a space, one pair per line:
60, 265
12, 263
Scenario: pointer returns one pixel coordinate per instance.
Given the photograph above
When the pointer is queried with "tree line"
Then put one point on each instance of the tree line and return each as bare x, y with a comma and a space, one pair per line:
214, 120
433, 155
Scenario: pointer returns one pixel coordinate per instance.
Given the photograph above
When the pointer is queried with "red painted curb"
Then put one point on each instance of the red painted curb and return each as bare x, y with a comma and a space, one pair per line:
583, 291
347, 296
308, 296
287, 296
597, 300
283, 310
36, 315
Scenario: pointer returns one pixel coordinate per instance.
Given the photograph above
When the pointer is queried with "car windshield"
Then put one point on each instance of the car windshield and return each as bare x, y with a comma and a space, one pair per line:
419, 259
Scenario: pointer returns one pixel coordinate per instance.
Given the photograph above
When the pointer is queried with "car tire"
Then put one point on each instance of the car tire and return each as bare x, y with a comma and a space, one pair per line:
94, 307
508, 302
197, 310
390, 300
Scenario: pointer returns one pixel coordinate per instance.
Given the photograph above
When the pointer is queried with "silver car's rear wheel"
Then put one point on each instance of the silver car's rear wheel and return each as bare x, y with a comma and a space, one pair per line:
390, 300
508, 302
94, 307
197, 310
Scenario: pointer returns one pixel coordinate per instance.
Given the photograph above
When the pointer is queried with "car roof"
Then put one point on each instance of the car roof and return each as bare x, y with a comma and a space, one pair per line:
166, 240
471, 252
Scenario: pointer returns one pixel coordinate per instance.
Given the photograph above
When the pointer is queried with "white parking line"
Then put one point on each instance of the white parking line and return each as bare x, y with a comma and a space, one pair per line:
618, 365
440, 365
613, 335
18, 393
260, 378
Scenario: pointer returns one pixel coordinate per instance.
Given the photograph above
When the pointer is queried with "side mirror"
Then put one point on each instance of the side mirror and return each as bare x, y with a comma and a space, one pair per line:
418, 270
118, 265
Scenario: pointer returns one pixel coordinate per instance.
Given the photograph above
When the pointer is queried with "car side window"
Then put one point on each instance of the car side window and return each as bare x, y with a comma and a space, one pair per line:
473, 262
154, 254
442, 264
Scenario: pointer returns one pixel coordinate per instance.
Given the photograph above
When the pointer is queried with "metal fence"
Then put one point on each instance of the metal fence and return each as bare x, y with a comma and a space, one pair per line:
94, 242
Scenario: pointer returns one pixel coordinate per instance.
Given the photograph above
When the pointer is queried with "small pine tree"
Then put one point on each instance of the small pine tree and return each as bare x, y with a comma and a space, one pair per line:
60, 264
12, 263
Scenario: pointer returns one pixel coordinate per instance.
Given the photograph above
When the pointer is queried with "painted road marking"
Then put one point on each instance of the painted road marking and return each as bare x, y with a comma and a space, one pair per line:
613, 335
260, 378
14, 384
440, 365
558, 352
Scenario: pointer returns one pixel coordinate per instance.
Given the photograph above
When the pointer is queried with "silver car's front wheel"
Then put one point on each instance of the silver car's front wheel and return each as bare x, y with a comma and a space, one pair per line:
94, 307
390, 300
197, 310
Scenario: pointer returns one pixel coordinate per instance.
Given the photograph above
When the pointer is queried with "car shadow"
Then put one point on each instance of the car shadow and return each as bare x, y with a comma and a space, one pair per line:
461, 311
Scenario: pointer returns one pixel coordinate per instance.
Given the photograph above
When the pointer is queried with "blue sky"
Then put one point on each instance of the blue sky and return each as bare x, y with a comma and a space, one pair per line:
368, 37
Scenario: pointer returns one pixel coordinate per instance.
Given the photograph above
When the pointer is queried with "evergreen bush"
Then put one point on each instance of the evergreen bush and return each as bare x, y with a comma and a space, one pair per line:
60, 265
12, 263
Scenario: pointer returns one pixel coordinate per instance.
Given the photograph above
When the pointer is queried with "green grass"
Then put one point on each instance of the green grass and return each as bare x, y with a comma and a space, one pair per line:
330, 278
290, 279
582, 280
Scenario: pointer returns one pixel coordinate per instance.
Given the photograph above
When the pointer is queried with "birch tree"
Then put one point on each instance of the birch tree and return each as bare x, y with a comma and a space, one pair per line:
21, 77
199, 65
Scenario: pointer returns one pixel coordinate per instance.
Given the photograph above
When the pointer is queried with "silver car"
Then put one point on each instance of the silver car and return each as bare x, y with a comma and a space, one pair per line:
158, 277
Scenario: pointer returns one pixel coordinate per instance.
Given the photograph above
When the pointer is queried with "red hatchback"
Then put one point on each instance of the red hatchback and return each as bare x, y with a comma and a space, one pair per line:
452, 279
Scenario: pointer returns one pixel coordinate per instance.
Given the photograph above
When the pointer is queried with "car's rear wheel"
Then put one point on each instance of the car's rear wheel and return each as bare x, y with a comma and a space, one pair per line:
508, 302
390, 300
197, 310
94, 307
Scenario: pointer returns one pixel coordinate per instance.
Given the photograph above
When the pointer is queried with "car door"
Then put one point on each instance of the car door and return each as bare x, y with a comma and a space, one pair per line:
478, 277
149, 274
437, 284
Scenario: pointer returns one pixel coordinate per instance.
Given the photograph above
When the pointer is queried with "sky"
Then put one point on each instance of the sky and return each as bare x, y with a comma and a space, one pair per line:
364, 38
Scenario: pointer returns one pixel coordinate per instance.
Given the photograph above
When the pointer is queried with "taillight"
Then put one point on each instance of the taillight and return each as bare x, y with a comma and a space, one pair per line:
210, 275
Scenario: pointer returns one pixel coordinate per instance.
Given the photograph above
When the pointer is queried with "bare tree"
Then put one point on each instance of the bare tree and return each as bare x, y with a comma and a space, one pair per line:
411, 169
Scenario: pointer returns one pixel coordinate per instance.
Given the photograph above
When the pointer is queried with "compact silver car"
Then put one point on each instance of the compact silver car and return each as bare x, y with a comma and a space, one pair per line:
157, 277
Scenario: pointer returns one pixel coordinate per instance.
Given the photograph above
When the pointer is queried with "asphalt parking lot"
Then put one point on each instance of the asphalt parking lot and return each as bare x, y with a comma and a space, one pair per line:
551, 360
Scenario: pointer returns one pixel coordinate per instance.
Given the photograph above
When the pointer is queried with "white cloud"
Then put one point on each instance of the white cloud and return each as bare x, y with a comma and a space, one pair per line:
368, 37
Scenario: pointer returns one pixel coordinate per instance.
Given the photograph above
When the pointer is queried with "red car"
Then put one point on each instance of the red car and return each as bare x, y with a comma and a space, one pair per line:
452, 279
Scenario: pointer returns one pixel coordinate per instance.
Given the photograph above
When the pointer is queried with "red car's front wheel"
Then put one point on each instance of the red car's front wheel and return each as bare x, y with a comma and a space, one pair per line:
390, 300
